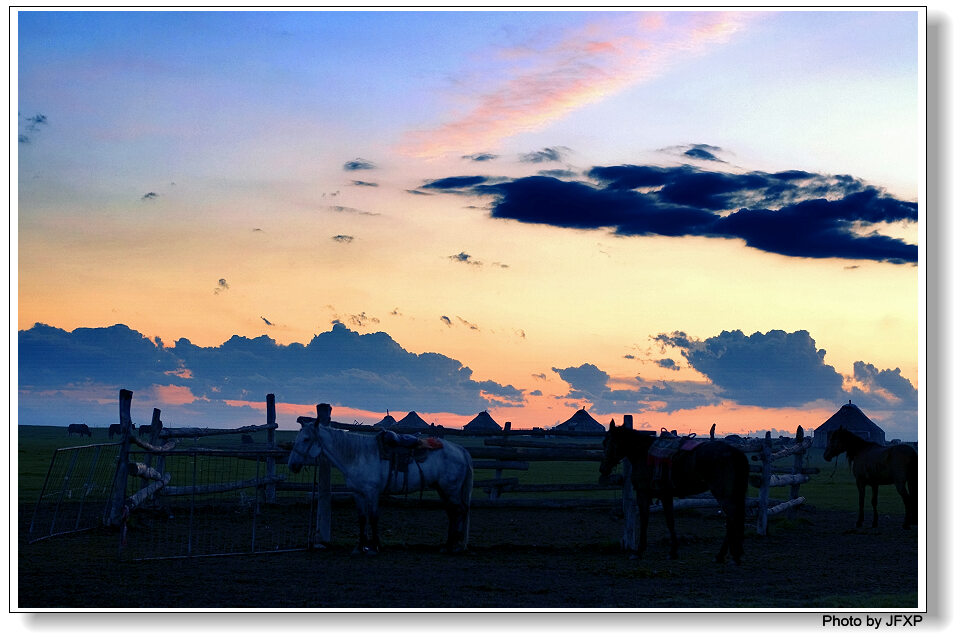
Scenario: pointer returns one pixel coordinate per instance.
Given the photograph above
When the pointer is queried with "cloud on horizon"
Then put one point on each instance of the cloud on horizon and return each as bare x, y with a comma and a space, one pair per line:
793, 213
341, 366
775, 370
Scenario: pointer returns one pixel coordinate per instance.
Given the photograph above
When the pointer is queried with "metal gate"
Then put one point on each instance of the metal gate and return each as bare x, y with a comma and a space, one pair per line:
76, 491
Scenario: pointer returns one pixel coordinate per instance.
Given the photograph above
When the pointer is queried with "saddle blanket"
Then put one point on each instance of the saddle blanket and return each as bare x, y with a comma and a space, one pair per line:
400, 450
659, 459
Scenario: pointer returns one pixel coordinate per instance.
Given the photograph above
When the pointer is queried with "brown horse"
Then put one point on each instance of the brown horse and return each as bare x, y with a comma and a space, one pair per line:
713, 465
873, 465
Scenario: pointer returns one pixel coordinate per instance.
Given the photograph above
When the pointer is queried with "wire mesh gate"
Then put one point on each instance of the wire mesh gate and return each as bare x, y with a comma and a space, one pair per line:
76, 491
219, 503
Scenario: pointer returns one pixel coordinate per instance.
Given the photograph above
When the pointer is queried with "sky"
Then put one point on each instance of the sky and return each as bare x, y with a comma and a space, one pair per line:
694, 217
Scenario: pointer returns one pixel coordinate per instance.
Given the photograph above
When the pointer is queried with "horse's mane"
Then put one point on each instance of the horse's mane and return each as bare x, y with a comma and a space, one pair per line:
350, 444
853, 444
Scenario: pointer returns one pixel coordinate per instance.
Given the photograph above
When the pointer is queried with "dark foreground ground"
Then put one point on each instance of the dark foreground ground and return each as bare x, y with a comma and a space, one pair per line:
518, 558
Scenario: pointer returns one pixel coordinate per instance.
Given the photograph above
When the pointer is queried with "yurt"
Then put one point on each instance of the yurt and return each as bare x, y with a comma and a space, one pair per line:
852, 418
387, 422
580, 421
410, 424
482, 423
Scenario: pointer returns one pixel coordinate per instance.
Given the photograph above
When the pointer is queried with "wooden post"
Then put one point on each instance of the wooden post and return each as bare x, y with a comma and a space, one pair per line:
508, 426
270, 493
630, 508
115, 509
155, 427
766, 456
322, 529
796, 469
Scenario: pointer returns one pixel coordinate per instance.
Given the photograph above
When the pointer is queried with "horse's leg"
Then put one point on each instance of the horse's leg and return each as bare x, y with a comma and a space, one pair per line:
362, 532
911, 496
861, 488
907, 501
642, 501
375, 545
669, 510
875, 488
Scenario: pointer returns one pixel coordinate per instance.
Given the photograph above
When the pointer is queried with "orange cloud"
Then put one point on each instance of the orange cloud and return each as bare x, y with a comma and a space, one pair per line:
546, 84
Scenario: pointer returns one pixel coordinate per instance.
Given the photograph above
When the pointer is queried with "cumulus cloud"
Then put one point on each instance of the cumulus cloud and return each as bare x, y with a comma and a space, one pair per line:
366, 184
342, 238
222, 286
341, 366
590, 384
150, 195
772, 370
792, 213
480, 157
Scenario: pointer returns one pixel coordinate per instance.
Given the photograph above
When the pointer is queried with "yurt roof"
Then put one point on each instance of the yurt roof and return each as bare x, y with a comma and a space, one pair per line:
387, 421
849, 417
482, 422
411, 422
581, 421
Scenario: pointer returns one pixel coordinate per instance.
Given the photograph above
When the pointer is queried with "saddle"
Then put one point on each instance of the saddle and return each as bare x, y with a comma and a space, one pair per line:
661, 454
401, 450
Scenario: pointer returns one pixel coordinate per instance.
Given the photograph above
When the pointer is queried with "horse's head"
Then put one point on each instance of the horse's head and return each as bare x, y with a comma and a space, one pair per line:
613, 448
836, 444
309, 445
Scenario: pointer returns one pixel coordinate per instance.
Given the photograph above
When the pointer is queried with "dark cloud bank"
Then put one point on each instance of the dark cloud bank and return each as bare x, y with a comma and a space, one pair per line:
65, 376
365, 371
793, 213
772, 370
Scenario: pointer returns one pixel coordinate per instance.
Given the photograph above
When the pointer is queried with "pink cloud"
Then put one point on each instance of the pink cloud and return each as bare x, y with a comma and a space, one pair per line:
546, 83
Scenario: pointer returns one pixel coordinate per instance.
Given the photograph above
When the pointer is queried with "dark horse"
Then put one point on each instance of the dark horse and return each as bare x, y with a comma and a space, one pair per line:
713, 465
873, 465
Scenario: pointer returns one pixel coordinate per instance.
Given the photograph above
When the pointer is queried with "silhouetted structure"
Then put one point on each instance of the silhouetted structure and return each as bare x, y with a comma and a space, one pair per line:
580, 421
410, 424
851, 418
387, 422
483, 423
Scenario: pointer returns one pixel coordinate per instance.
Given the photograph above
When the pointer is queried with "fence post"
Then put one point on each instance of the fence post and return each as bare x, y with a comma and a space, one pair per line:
155, 427
270, 492
323, 519
766, 456
630, 508
115, 508
796, 469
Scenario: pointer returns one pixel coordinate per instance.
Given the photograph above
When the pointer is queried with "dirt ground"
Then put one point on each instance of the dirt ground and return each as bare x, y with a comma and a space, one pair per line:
518, 559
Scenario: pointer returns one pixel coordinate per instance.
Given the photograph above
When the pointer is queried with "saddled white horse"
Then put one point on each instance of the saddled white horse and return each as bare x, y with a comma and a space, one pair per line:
446, 468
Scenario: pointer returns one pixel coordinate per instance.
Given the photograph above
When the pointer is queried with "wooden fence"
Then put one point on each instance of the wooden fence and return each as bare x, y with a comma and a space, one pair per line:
507, 451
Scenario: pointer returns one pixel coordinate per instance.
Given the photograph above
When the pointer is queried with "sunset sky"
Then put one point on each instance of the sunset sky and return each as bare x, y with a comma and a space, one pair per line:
691, 217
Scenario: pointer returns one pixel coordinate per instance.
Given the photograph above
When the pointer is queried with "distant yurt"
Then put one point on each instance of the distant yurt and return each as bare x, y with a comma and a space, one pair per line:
410, 424
580, 421
482, 423
849, 417
387, 422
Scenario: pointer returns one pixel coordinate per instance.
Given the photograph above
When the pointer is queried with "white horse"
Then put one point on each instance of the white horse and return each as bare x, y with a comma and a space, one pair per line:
447, 469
